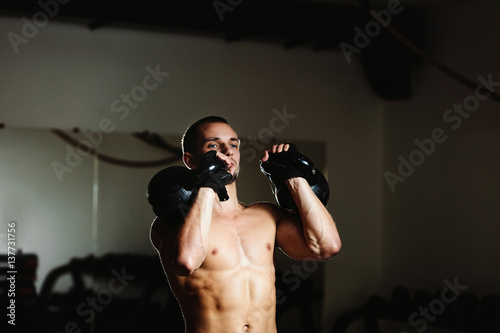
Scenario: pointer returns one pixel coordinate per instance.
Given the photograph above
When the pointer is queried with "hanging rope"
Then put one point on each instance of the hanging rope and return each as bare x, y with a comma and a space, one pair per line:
157, 141
152, 139
427, 57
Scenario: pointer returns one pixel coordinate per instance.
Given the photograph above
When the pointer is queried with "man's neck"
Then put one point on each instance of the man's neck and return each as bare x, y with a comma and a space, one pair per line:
230, 205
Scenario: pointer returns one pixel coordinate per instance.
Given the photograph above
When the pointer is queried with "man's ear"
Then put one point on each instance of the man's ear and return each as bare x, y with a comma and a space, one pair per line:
189, 160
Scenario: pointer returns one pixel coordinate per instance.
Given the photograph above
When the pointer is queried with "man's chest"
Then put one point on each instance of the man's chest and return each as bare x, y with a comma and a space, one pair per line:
243, 241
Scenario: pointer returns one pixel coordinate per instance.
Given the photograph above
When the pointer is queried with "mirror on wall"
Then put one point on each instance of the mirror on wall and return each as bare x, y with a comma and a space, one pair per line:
67, 203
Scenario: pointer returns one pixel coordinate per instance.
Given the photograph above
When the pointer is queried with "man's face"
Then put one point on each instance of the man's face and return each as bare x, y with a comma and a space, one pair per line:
221, 138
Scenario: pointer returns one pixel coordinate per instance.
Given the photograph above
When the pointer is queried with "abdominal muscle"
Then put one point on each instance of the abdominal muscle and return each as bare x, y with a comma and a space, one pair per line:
241, 299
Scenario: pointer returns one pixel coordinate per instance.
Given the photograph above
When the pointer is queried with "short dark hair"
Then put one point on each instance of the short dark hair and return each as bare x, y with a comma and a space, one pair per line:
191, 134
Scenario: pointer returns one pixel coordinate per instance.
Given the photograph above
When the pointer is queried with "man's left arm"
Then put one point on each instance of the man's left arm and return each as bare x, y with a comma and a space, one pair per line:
312, 234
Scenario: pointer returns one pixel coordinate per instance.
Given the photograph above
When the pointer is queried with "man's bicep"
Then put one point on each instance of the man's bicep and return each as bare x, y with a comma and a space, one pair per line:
290, 238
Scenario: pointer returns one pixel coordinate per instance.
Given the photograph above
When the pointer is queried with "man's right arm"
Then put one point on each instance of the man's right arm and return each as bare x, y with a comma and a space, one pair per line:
190, 244
183, 201
183, 248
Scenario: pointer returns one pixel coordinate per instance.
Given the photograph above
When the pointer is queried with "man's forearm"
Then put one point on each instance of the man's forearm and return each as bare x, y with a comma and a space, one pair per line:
320, 232
192, 239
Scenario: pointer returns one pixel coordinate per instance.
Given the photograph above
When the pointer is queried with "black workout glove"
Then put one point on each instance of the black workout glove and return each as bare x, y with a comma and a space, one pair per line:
289, 164
212, 172
172, 190
285, 165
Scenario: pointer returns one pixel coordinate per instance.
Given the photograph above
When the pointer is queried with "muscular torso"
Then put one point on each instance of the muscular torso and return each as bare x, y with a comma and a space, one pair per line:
234, 289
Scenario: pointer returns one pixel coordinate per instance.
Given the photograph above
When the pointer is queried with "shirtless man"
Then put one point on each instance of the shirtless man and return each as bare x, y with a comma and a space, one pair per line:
219, 261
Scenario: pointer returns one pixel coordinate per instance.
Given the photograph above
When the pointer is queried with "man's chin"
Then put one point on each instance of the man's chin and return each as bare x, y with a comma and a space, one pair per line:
234, 176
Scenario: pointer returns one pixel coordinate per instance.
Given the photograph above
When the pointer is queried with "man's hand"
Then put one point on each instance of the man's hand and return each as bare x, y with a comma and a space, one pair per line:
283, 162
212, 172
274, 149
225, 158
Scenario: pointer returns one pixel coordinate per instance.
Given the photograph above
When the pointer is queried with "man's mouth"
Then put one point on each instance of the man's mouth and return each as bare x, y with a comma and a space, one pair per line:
231, 168
230, 165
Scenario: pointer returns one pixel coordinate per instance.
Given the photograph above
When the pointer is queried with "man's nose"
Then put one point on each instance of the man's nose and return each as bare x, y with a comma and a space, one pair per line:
227, 150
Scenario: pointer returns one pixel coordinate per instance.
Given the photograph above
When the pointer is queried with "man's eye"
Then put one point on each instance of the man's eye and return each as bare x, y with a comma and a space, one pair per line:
234, 146
212, 145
